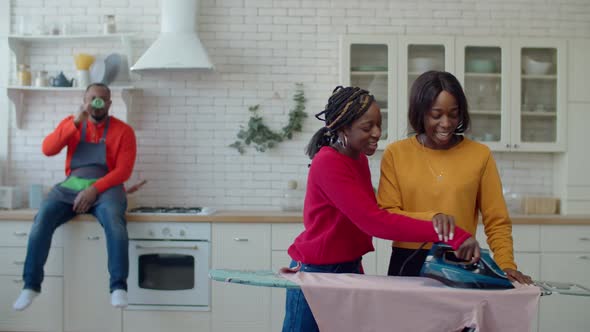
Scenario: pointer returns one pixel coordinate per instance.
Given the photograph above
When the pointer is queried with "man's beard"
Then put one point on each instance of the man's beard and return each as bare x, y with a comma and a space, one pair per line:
99, 118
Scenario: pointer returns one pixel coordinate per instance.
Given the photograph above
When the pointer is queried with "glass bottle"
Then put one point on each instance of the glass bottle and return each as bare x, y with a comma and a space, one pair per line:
23, 75
110, 26
292, 200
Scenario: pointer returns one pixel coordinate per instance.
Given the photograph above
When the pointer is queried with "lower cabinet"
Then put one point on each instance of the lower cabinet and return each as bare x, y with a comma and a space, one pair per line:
46, 312
86, 279
236, 307
169, 321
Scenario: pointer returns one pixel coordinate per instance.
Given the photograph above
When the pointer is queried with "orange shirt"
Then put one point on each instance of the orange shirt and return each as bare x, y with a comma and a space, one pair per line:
120, 142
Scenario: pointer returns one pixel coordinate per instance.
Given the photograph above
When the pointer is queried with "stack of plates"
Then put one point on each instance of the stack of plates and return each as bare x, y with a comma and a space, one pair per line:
107, 69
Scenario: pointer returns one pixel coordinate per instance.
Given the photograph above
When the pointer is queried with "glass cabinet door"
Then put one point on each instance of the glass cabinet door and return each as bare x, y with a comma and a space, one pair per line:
538, 95
483, 89
419, 55
483, 69
369, 63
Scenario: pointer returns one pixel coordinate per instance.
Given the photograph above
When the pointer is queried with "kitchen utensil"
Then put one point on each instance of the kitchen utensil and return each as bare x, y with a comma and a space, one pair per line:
41, 79
442, 264
481, 66
112, 66
534, 67
421, 64
83, 78
97, 69
61, 81
540, 205
83, 61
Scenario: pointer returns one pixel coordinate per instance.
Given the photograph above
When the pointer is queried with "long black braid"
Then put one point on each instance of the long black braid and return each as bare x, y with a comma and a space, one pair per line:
346, 104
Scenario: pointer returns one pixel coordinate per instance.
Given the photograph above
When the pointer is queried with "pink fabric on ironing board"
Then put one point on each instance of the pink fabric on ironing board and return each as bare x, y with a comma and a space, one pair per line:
361, 303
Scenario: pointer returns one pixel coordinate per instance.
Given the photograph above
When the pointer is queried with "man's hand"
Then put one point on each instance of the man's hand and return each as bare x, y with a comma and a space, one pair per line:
515, 275
82, 114
85, 199
469, 250
444, 225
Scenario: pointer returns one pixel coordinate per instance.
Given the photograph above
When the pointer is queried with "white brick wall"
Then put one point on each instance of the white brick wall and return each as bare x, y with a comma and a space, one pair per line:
186, 120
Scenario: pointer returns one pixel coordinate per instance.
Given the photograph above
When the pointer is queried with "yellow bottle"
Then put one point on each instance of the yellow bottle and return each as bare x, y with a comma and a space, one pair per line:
23, 75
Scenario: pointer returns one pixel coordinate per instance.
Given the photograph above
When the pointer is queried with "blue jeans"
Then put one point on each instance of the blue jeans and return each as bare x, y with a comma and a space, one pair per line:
54, 213
298, 316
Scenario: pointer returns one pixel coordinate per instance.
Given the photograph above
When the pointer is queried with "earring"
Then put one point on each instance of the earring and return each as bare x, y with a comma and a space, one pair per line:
343, 142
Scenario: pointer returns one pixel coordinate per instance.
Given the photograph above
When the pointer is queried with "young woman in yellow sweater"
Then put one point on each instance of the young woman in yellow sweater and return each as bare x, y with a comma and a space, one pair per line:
439, 169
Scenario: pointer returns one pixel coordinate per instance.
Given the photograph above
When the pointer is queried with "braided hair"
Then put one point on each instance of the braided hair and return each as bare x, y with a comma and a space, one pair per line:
346, 104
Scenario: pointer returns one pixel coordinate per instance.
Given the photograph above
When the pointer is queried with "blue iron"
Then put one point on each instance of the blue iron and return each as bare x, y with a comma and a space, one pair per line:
442, 264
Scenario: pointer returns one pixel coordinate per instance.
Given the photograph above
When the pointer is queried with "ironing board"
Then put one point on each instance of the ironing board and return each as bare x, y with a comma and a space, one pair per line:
264, 278
364, 284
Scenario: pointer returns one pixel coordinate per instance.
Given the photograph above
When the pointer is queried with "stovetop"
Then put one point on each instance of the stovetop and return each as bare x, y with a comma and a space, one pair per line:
176, 210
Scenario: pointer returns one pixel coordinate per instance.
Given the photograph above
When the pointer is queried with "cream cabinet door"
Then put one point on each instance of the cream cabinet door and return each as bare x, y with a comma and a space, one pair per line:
234, 307
86, 280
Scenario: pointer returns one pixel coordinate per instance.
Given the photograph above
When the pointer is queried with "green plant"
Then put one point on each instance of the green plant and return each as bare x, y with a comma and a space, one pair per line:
258, 134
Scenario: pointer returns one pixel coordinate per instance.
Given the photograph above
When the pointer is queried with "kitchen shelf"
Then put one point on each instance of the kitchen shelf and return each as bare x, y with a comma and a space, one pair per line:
540, 114
486, 112
368, 73
539, 77
483, 75
16, 94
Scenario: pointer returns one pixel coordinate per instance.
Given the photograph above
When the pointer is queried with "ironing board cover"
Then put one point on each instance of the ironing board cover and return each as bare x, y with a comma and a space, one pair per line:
264, 278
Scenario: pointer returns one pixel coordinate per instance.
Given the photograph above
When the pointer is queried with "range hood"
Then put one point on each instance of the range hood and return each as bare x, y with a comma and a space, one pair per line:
178, 46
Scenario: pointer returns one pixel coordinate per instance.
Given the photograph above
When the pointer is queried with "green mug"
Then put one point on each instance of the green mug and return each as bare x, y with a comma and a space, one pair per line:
97, 103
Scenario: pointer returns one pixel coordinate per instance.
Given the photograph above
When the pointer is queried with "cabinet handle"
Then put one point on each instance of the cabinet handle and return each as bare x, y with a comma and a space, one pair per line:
508, 145
21, 234
17, 281
139, 246
585, 238
18, 262
93, 238
240, 239
516, 145
584, 257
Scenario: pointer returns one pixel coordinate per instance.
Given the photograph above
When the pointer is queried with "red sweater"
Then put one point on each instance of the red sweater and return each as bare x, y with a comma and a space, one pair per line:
120, 141
341, 215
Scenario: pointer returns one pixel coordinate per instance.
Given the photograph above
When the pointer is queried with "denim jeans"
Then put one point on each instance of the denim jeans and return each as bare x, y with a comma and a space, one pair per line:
298, 315
54, 213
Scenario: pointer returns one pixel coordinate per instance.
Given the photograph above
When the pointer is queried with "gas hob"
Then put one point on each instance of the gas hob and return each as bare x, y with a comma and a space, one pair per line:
173, 210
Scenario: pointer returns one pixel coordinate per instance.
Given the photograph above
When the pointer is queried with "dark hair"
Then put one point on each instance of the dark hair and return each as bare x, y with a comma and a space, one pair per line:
346, 104
102, 85
424, 92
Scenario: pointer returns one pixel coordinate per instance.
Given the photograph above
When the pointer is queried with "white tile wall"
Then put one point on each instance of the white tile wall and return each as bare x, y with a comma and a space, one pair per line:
259, 48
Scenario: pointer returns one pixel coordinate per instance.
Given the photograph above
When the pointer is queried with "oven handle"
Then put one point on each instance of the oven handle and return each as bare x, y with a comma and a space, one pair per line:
139, 246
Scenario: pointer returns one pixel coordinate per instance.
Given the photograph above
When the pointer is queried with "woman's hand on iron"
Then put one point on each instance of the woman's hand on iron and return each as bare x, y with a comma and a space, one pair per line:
515, 275
469, 250
444, 226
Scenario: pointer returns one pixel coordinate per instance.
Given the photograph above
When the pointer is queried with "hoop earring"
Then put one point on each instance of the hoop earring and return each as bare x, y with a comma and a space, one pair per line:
343, 142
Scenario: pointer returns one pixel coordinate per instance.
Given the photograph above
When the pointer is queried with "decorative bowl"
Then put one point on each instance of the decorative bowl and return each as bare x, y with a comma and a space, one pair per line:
481, 66
421, 64
534, 67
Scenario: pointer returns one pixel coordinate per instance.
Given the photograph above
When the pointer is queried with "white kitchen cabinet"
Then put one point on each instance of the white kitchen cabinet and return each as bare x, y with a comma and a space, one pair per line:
46, 312
169, 321
418, 54
239, 307
516, 92
578, 70
86, 280
369, 62
20, 46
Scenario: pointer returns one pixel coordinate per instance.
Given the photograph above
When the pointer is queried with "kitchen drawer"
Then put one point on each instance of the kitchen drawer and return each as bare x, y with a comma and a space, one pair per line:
16, 233
45, 314
13, 259
565, 238
241, 246
525, 238
283, 235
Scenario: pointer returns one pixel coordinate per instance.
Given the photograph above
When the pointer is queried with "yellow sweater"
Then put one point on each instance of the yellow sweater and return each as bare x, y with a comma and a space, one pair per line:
462, 181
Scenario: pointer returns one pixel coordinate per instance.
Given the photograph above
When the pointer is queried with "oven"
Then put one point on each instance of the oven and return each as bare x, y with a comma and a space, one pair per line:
169, 265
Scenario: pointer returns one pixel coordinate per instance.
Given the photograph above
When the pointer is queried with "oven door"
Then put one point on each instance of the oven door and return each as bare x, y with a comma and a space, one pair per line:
168, 273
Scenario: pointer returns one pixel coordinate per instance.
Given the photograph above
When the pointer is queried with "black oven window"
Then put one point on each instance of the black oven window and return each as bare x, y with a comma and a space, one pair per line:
166, 271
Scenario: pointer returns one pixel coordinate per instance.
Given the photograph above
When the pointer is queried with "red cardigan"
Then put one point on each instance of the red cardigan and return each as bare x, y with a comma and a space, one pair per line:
341, 215
120, 141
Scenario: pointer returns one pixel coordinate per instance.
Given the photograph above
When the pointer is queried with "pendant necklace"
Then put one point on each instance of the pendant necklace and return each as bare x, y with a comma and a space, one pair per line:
438, 176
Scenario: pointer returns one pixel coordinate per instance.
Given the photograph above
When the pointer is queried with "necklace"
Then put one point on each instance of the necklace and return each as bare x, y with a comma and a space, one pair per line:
438, 176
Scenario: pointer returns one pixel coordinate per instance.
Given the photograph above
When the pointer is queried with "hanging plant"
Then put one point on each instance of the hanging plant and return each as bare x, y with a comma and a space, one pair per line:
259, 135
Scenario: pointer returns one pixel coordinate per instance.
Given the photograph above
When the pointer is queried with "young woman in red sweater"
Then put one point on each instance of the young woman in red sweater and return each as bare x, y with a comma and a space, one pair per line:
340, 212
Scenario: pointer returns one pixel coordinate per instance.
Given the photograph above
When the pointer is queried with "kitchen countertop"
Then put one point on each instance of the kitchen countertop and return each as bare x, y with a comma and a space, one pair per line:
278, 217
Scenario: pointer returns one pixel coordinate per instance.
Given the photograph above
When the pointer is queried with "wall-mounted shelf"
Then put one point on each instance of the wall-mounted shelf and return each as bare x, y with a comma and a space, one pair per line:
16, 94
